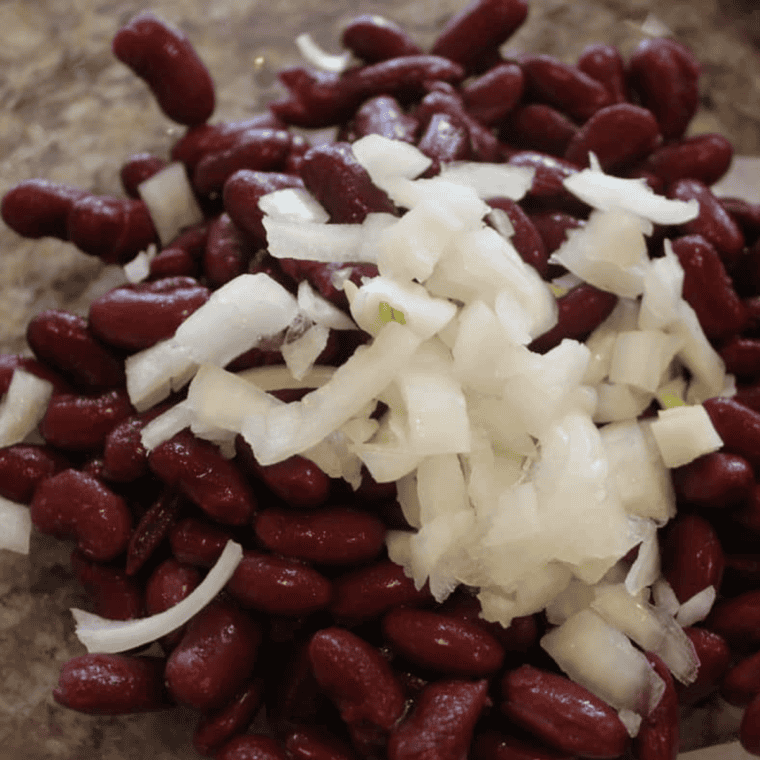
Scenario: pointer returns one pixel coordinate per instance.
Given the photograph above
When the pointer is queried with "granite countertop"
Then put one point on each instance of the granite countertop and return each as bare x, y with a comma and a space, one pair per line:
70, 112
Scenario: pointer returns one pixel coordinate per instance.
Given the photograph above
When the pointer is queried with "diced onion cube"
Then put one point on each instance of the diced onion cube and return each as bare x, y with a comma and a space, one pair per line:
684, 433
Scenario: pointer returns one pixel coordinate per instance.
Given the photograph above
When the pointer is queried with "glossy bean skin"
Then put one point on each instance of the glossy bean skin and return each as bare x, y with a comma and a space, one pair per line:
9, 363
737, 619
164, 58
553, 227
384, 116
23, 466
112, 684
37, 208
718, 480
82, 423
742, 357
135, 317
442, 722
526, 239
115, 595
373, 39
446, 644
227, 253
605, 64
313, 743
550, 173
198, 470
151, 529
444, 140
138, 168
702, 157
72, 504
491, 96
65, 342
198, 542
741, 684
331, 535
659, 734
539, 127
278, 586
217, 727
251, 747
215, 657
714, 659
738, 426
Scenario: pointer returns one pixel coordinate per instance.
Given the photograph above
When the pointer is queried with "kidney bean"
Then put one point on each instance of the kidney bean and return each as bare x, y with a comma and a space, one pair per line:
115, 595
605, 64
112, 684
197, 542
373, 39
313, 743
553, 227
665, 74
356, 677
737, 619
151, 530
492, 745
173, 262
242, 192
227, 254
718, 480
384, 116
23, 466
474, 35
618, 135
745, 214
442, 722
136, 316
692, 557
216, 728
562, 714
198, 470
550, 173
64, 341
581, 310
113, 229
714, 658
82, 423
37, 208
738, 426
9, 363
748, 395
164, 58
255, 149
278, 586
320, 276
742, 357
170, 583
705, 158
491, 96
370, 591
539, 127
331, 535
315, 99
136, 169
215, 657
74, 505
659, 734
251, 747
526, 239
446, 644
341, 184
445, 140
748, 516
741, 684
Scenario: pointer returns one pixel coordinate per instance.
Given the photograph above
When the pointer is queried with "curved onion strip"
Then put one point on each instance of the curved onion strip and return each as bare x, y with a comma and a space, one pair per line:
15, 526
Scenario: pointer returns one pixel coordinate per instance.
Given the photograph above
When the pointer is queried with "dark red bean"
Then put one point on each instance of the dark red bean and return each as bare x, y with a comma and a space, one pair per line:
164, 58
749, 396
442, 722
714, 658
474, 35
738, 426
445, 644
331, 535
320, 275
491, 96
23, 466
135, 317
215, 657
742, 573
65, 342
492, 745
745, 214
37, 208
564, 86
737, 620
278, 586
714, 481
113, 229
581, 310
550, 173
9, 363
702, 157
537, 126
254, 149
659, 733
617, 135
170, 583
553, 227
115, 595
445, 140
315, 99
137, 169
741, 684
356, 677
313, 743
605, 64
74, 505
227, 253
384, 116
196, 468
373, 39
173, 262
251, 747
742, 357
112, 684
197, 542
665, 74
82, 423
526, 238
217, 727
151, 530
370, 591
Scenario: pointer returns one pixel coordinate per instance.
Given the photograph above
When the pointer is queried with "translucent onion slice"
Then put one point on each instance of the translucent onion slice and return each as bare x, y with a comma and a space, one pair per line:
301, 354
490, 180
167, 425
293, 204
109, 636
15, 526
277, 377
320, 311
319, 58
641, 357
684, 433
23, 406
697, 608
387, 160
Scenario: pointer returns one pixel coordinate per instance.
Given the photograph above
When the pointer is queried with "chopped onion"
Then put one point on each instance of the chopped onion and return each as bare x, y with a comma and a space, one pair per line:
646, 567
320, 59
320, 311
314, 241
293, 204
277, 377
697, 608
301, 353
684, 433
387, 160
23, 406
490, 180
101, 635
167, 425
15, 526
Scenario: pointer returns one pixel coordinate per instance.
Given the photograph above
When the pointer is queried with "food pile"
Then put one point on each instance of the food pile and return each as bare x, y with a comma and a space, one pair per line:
436, 438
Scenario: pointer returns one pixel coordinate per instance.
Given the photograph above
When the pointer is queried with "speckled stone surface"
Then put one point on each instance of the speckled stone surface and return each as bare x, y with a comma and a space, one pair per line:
70, 112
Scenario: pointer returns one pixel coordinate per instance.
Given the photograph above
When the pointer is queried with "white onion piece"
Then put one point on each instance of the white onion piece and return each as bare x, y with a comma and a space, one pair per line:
441, 489
598, 656
631, 721
152, 374
293, 204
301, 353
277, 377
312, 241
697, 608
646, 567
617, 402
406, 494
320, 310
664, 597
490, 180
641, 357
576, 597
171, 201
385, 159
605, 192
500, 221
15, 526
167, 425
663, 285
319, 58
109, 636
138, 269
23, 406
684, 433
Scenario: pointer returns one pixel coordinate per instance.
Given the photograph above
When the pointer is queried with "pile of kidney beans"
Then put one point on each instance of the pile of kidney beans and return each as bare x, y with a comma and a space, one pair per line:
316, 624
